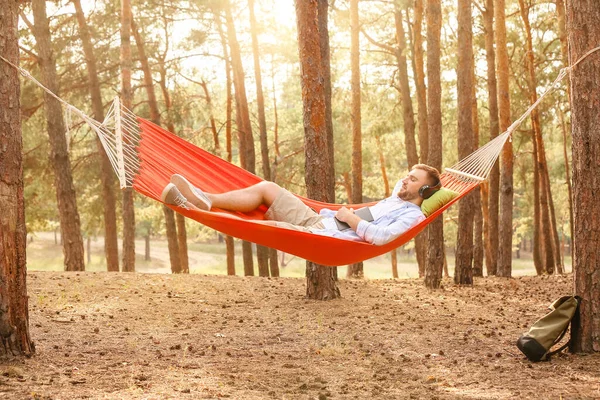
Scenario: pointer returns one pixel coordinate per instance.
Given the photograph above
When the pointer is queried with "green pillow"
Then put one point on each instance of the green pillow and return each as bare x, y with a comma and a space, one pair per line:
437, 201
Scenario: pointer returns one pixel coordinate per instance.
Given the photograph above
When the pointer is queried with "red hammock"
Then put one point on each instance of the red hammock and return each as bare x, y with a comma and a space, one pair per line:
162, 154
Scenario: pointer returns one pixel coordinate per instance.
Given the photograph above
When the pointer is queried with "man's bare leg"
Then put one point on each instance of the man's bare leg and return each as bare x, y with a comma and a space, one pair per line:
246, 199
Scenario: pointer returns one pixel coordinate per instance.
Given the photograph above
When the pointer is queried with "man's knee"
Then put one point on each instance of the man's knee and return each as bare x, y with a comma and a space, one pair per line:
270, 190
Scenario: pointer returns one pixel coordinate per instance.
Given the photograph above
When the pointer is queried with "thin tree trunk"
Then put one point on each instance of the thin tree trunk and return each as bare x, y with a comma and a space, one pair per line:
506, 169
89, 249
179, 218
14, 318
463, 267
544, 181
355, 270
228, 121
567, 172
420, 81
262, 253
435, 255
321, 282
322, 22
170, 224
111, 246
127, 100
386, 185
564, 48
538, 244
147, 247
70, 226
491, 232
478, 247
408, 118
584, 34
247, 151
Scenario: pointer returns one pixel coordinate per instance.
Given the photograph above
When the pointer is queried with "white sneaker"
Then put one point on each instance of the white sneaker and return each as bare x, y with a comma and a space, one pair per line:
191, 193
171, 195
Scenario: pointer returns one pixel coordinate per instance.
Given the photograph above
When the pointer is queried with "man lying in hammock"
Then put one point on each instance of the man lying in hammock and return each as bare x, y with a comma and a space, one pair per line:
388, 219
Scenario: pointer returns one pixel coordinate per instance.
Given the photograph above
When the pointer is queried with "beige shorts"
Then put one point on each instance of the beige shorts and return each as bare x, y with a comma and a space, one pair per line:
288, 211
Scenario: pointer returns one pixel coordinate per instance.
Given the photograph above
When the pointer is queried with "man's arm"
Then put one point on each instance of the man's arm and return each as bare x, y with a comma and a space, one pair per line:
347, 215
380, 235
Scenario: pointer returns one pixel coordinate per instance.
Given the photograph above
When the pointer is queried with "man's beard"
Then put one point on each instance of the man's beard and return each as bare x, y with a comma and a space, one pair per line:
406, 195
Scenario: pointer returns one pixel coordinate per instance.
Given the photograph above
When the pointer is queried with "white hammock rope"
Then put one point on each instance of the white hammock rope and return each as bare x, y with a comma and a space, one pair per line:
120, 135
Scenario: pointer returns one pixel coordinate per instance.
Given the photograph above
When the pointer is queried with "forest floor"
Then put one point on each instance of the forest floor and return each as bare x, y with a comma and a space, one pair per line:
105, 335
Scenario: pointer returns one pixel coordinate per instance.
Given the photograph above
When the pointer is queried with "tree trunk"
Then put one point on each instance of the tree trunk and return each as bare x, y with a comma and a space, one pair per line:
435, 255
491, 244
14, 317
170, 224
463, 270
408, 118
111, 246
478, 247
179, 218
545, 199
262, 253
321, 283
421, 239
564, 49
506, 159
70, 225
89, 249
420, 80
538, 244
322, 22
147, 247
260, 100
228, 121
127, 100
584, 34
567, 173
355, 270
247, 152
386, 185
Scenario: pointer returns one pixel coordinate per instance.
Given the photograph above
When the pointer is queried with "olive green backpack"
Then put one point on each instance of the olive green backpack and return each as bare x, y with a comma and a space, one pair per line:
549, 330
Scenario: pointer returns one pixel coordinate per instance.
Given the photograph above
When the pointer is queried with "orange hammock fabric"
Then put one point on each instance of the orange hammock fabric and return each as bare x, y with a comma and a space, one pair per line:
162, 154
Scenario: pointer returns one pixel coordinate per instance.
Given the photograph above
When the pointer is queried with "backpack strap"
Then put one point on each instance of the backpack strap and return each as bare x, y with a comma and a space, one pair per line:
570, 342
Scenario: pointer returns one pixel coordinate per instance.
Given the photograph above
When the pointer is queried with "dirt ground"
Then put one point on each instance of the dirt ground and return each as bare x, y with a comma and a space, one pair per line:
154, 336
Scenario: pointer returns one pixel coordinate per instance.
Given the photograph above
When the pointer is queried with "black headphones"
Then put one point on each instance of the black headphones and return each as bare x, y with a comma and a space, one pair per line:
427, 191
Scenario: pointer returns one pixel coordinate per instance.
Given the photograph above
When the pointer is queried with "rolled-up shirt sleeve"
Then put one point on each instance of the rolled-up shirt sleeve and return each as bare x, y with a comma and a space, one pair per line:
380, 235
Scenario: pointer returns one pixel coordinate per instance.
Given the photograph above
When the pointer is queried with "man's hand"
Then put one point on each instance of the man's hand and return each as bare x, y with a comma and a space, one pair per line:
347, 215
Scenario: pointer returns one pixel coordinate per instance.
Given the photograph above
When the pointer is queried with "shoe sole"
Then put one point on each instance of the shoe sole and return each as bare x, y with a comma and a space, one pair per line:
187, 190
165, 192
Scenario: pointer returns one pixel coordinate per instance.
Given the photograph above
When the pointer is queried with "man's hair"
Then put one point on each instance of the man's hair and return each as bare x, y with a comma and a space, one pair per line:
433, 174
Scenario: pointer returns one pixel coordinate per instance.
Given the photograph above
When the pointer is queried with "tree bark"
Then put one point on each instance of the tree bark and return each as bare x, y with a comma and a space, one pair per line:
228, 121
567, 173
321, 283
247, 152
491, 232
435, 255
70, 225
127, 100
584, 34
179, 218
420, 81
506, 158
355, 270
262, 253
111, 246
463, 270
408, 119
322, 22
478, 246
545, 199
14, 313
